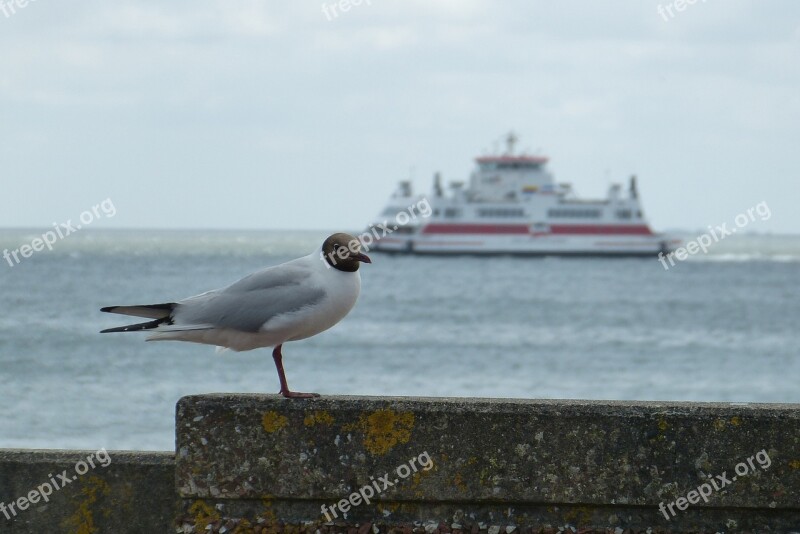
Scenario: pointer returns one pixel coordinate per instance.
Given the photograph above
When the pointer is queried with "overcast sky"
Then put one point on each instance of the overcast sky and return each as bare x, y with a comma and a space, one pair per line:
267, 115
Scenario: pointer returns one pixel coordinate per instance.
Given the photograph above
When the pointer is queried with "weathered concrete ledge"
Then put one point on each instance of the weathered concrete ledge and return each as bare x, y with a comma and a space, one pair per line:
133, 493
261, 463
264, 464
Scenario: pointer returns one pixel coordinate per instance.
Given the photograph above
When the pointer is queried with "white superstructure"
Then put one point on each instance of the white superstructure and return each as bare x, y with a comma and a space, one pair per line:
512, 205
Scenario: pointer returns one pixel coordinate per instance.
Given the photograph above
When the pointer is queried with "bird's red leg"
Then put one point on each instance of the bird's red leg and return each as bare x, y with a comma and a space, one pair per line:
278, 357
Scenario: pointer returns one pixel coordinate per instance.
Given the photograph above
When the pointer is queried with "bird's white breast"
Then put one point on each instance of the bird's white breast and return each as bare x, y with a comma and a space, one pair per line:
341, 292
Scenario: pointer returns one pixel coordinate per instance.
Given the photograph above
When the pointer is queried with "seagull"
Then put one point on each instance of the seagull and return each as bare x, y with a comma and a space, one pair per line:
295, 300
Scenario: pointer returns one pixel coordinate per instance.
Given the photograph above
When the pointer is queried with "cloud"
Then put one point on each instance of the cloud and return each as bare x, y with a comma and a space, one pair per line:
256, 102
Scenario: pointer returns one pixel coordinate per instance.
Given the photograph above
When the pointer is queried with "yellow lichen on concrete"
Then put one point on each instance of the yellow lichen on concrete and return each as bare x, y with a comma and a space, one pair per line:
82, 521
720, 424
273, 421
384, 429
318, 417
416, 478
268, 514
387, 508
663, 426
794, 464
244, 527
580, 515
203, 514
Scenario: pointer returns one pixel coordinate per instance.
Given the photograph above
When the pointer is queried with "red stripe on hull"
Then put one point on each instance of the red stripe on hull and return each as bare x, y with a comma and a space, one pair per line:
515, 229
600, 229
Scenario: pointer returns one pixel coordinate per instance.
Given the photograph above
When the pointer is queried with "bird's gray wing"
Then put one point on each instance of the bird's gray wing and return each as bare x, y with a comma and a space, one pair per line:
252, 301
292, 273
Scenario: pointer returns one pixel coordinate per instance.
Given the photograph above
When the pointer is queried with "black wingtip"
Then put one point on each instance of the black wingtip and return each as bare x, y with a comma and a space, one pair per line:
162, 310
129, 328
149, 325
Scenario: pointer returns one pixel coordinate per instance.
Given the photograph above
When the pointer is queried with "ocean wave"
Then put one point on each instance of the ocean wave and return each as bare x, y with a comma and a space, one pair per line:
172, 242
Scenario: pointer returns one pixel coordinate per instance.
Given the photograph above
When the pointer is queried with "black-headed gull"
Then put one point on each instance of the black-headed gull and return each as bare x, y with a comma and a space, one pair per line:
287, 302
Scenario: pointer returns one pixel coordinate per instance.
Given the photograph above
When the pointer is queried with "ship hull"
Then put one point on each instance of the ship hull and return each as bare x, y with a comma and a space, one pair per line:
481, 245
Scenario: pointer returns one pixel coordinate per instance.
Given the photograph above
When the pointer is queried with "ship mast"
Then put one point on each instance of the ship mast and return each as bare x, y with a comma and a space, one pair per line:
511, 140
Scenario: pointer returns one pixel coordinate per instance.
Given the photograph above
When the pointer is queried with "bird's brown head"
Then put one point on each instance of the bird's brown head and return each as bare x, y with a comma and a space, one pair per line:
343, 252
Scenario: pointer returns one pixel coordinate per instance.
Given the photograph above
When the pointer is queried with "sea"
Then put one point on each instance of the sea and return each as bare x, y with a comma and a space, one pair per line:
721, 326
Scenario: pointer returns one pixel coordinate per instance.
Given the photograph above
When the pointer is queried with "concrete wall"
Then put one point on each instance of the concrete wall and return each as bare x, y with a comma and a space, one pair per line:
264, 464
490, 466
134, 493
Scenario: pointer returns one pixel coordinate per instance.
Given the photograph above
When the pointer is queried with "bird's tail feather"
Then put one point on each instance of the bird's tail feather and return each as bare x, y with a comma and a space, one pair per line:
160, 313
184, 327
149, 325
150, 311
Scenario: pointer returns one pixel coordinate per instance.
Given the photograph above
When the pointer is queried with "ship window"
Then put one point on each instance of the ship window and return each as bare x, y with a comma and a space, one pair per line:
452, 212
517, 165
501, 212
574, 213
624, 214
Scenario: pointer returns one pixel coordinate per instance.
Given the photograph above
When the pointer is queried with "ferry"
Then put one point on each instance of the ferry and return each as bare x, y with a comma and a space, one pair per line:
512, 205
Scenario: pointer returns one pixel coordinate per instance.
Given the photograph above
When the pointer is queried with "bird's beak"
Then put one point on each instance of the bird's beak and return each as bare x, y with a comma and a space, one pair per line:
362, 258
